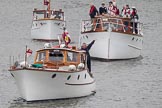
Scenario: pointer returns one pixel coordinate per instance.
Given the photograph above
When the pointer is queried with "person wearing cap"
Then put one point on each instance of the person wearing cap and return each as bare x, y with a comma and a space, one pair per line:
134, 13
134, 18
103, 9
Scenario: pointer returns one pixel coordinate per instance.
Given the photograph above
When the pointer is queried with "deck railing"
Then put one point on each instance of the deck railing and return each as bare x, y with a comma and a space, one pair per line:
112, 24
44, 14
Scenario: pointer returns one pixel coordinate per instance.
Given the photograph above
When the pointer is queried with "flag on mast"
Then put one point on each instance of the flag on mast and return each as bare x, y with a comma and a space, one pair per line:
29, 52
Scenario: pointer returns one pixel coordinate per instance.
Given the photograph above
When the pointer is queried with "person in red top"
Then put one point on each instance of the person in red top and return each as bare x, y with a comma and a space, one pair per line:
112, 9
93, 11
66, 37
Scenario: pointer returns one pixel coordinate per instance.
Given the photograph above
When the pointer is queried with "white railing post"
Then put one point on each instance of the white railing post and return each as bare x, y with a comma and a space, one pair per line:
138, 27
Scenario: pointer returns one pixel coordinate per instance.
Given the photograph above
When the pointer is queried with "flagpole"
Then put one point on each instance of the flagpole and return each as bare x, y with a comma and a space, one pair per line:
49, 7
25, 56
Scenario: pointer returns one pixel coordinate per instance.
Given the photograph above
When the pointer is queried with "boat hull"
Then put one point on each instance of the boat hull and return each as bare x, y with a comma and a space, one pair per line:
46, 29
113, 45
43, 85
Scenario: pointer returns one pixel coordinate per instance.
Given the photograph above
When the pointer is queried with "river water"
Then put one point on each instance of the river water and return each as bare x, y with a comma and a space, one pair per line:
135, 83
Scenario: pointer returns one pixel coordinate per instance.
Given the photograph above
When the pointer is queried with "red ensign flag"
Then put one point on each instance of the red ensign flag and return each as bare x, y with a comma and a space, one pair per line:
28, 52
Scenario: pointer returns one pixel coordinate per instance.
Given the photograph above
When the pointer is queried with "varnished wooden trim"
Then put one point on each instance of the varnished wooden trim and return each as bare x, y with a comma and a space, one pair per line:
46, 40
112, 31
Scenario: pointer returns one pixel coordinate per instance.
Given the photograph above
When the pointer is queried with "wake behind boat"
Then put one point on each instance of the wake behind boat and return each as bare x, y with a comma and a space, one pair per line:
55, 74
47, 24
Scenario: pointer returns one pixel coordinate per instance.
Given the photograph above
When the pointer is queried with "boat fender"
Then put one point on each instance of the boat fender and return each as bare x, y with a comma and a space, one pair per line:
62, 46
81, 66
72, 68
47, 45
23, 65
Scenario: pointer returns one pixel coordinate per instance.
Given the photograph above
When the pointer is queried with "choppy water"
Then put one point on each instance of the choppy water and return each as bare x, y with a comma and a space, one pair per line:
135, 83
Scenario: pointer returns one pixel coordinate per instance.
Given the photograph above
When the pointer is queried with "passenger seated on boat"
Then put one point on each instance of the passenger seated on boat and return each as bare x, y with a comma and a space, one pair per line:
134, 19
126, 25
103, 9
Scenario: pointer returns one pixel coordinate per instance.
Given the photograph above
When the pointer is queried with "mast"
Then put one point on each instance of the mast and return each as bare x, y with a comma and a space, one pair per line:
48, 4
49, 7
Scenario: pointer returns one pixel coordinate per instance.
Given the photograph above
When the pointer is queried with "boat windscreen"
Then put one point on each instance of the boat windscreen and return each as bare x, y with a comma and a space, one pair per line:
55, 55
72, 56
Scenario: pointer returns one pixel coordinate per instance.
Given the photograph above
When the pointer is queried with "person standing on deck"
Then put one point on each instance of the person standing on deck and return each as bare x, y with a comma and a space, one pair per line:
112, 9
92, 13
87, 48
66, 37
134, 18
103, 9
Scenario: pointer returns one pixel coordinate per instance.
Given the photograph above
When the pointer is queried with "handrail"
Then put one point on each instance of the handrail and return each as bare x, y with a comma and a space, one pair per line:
115, 24
57, 14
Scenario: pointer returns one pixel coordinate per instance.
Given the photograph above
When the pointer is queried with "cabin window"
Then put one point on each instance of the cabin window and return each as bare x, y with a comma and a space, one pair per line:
72, 57
38, 15
55, 55
57, 15
41, 56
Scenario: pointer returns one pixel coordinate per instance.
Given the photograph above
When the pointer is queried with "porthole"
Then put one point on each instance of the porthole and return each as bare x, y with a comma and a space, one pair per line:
85, 76
68, 77
137, 39
78, 77
54, 75
12, 75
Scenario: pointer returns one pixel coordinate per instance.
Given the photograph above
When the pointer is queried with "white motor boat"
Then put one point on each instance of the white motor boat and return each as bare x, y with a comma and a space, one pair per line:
55, 74
116, 37
47, 24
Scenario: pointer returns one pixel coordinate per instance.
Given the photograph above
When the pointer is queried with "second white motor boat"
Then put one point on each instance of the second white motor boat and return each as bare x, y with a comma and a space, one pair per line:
47, 24
116, 37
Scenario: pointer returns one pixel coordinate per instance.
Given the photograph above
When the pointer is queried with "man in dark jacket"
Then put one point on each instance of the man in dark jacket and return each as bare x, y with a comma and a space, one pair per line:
87, 48
103, 9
